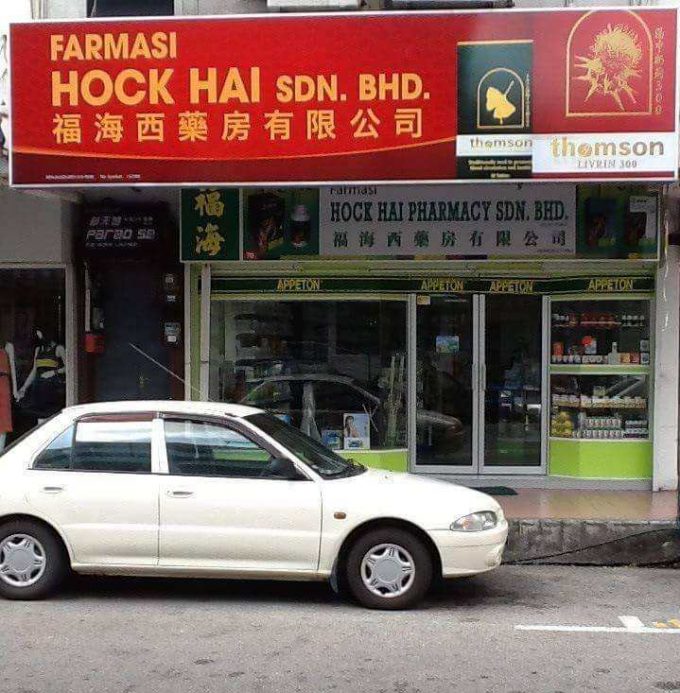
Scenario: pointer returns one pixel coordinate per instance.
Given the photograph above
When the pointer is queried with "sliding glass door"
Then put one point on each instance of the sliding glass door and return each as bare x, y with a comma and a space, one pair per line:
479, 385
511, 381
445, 384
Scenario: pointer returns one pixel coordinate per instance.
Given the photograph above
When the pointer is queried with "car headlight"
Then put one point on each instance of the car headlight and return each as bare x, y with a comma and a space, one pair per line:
475, 522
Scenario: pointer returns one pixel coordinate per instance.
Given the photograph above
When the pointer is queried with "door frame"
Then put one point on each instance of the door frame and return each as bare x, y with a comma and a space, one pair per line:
536, 470
473, 468
477, 466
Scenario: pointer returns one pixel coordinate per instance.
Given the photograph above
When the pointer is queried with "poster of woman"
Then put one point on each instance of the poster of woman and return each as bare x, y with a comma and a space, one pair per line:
356, 431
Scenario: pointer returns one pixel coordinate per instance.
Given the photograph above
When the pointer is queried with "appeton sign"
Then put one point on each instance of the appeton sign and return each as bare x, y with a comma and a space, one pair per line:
383, 97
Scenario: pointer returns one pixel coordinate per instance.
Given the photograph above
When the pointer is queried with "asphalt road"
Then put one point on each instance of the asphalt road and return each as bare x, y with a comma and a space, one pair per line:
133, 636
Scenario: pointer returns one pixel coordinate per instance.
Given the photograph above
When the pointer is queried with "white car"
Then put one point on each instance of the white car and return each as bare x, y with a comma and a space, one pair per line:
188, 489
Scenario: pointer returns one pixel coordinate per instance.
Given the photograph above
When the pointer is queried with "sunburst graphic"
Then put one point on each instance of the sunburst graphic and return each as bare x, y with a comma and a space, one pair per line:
613, 61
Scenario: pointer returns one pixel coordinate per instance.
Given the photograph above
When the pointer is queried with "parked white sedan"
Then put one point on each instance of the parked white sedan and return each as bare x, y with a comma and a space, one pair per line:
214, 490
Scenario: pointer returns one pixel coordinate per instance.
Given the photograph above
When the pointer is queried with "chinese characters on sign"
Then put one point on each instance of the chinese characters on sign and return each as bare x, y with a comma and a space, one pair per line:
121, 233
192, 126
544, 94
505, 220
210, 224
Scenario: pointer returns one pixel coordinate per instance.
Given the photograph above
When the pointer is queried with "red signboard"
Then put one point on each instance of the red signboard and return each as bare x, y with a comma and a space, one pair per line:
346, 98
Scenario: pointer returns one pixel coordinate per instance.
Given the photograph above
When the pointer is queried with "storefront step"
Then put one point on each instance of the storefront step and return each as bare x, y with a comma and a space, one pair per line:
594, 542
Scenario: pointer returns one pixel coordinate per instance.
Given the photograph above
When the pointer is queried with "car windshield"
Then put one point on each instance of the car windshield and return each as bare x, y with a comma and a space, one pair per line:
322, 460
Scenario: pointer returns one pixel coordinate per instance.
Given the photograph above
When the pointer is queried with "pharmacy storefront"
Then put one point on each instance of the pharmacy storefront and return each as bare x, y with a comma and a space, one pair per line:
454, 265
477, 330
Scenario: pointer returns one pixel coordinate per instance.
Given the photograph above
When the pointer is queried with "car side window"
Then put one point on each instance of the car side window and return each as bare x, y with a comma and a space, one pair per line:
203, 448
57, 455
113, 444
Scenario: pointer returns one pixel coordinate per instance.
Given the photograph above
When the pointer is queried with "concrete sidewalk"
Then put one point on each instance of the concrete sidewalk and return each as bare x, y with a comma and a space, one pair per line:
592, 527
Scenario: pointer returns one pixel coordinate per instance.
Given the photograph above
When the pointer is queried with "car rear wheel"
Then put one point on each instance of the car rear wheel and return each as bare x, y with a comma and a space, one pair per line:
32, 561
388, 568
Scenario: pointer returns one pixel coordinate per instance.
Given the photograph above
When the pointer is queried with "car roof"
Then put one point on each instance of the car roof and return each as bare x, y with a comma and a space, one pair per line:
165, 406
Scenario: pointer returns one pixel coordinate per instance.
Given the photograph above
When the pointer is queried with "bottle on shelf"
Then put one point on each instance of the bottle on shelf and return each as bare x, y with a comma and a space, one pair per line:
614, 356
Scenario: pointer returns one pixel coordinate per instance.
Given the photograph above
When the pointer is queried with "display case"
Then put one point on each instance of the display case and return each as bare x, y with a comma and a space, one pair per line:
600, 374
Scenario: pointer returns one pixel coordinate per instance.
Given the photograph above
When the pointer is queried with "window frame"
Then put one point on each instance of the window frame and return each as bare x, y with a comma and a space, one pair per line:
233, 424
123, 417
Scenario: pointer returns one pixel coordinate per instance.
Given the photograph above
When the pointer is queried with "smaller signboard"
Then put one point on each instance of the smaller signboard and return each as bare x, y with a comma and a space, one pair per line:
210, 224
498, 221
364, 222
120, 233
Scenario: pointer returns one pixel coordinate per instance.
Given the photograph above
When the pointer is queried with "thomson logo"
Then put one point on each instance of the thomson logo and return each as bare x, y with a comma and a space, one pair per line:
565, 147
478, 143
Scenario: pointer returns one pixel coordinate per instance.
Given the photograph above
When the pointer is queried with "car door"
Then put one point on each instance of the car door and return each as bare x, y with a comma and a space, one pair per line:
220, 509
96, 483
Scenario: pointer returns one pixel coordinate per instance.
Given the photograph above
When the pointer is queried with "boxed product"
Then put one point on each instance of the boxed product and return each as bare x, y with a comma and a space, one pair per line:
266, 217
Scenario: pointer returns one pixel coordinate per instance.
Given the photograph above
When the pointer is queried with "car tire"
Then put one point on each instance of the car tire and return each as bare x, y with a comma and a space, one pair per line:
30, 553
377, 569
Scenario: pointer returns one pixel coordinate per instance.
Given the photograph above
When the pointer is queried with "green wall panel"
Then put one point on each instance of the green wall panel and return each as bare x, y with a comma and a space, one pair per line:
393, 460
601, 459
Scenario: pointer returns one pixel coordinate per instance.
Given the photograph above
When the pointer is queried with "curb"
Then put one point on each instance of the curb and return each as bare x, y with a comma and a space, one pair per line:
593, 542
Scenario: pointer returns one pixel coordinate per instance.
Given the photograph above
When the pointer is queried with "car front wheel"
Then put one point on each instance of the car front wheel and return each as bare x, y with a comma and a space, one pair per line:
388, 568
32, 561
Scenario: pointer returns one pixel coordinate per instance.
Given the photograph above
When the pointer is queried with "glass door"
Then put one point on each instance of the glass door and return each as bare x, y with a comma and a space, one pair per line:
446, 375
511, 380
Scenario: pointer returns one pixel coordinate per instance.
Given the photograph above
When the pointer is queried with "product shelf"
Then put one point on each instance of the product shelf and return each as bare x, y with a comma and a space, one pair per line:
598, 369
599, 440
600, 407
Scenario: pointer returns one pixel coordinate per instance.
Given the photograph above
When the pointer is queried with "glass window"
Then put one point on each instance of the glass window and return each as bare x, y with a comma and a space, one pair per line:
129, 8
599, 407
600, 332
200, 448
589, 339
112, 445
32, 349
444, 382
336, 370
57, 455
512, 409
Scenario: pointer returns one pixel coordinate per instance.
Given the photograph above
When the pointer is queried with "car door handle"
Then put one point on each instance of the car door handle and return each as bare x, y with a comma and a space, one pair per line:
53, 489
180, 494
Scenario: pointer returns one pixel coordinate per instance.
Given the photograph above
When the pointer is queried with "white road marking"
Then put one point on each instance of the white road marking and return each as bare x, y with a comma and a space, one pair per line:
631, 624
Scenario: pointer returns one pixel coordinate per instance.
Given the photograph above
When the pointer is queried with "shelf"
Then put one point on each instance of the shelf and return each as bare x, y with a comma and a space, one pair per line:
600, 326
597, 369
599, 407
599, 440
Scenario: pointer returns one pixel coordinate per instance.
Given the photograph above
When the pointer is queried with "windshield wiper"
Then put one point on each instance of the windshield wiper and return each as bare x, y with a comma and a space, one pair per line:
352, 469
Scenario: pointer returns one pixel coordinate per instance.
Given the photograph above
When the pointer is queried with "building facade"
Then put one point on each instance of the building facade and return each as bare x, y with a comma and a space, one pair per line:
482, 332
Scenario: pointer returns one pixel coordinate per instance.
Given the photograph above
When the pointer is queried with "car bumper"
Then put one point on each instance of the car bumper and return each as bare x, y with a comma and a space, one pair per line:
470, 553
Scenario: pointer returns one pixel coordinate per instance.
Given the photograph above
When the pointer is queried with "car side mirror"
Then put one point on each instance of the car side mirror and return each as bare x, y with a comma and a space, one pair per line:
284, 468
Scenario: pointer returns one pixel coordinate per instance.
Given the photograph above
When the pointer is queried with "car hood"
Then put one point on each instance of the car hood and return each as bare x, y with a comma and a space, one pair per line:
431, 503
